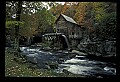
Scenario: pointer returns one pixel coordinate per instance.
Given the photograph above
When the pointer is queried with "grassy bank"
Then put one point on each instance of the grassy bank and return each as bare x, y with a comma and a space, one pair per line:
16, 67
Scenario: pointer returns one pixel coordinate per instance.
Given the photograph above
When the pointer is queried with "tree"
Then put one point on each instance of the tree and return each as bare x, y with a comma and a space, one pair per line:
30, 20
56, 11
105, 17
80, 13
107, 27
11, 8
46, 20
17, 27
71, 10
29, 29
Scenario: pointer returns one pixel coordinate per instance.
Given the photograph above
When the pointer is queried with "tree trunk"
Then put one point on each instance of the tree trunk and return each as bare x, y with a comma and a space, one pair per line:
29, 41
16, 46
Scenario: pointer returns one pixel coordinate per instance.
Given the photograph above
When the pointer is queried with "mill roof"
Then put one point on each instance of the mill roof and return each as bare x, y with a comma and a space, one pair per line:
68, 19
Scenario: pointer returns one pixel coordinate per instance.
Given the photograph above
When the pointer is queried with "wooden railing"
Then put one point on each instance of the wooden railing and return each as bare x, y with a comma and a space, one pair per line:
74, 36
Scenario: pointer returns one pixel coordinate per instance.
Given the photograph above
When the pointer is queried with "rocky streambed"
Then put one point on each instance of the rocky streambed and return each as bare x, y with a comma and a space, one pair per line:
68, 62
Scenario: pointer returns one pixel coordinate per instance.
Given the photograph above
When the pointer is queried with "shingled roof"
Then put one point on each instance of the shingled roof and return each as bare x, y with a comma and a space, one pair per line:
68, 19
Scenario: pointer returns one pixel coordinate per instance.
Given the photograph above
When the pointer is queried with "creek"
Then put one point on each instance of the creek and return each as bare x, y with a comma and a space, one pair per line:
77, 64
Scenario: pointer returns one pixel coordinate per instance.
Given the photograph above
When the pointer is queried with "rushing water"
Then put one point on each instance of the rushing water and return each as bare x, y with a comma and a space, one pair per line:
87, 67
76, 65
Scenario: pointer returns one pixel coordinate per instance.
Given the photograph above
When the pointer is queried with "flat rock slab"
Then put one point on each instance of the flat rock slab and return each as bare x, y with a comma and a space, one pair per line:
78, 52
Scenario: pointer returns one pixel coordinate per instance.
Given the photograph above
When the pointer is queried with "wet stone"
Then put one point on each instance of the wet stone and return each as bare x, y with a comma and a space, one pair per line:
64, 61
72, 55
60, 60
52, 65
66, 71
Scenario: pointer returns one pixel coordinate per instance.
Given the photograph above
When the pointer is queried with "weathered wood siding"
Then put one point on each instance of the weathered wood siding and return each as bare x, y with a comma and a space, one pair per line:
74, 31
61, 26
71, 30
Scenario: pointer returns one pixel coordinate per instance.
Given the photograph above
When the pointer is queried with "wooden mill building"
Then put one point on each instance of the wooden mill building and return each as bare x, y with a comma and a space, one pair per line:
70, 28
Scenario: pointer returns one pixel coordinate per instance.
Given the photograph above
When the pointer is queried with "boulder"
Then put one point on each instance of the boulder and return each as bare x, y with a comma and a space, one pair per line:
32, 60
60, 60
47, 48
78, 52
72, 55
52, 65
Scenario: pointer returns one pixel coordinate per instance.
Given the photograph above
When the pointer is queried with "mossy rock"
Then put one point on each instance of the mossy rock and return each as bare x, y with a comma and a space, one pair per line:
52, 65
72, 55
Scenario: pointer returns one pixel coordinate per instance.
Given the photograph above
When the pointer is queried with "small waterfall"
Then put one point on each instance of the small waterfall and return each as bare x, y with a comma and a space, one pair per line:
66, 40
57, 37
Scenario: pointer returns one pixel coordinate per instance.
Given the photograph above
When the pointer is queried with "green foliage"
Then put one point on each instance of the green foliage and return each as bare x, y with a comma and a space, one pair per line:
30, 22
108, 25
10, 24
30, 25
46, 20
56, 10
99, 10
92, 15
